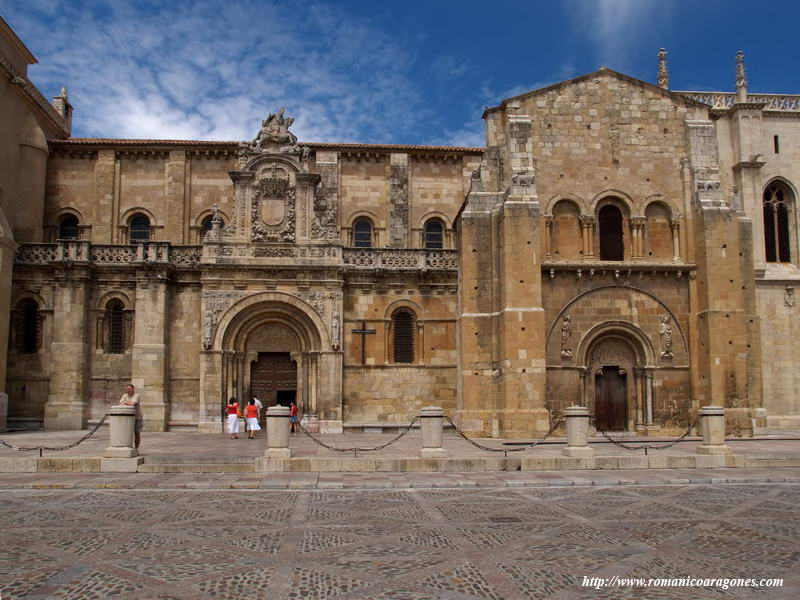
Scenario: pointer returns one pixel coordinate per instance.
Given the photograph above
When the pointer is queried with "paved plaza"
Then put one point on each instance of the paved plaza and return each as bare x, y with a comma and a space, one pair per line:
495, 543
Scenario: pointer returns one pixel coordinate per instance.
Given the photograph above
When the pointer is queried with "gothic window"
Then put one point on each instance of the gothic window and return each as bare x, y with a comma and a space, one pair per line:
776, 223
139, 229
28, 334
610, 225
68, 228
434, 234
362, 233
115, 322
403, 321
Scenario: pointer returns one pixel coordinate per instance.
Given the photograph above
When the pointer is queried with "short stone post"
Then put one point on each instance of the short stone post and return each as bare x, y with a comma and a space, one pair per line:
278, 426
432, 419
123, 419
712, 424
577, 420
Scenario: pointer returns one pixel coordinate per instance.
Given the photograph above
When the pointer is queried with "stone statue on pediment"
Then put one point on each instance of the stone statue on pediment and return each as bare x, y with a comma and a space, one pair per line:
275, 131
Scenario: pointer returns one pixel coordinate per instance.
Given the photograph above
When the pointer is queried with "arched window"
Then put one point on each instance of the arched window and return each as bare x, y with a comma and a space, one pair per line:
115, 319
610, 226
362, 233
403, 321
68, 228
28, 327
776, 223
139, 229
434, 234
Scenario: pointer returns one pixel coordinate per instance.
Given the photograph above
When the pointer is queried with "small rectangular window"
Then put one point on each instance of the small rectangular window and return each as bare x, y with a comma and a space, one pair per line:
777, 144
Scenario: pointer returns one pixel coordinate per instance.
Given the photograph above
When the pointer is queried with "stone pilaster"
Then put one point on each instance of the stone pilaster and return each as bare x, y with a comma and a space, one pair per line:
149, 356
7, 249
105, 168
67, 404
175, 196
398, 218
724, 336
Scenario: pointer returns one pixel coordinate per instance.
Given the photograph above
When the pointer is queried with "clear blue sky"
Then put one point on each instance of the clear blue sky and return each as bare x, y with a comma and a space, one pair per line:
417, 72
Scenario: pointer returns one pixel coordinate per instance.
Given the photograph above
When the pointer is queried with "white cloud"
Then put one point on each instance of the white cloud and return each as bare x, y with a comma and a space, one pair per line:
205, 70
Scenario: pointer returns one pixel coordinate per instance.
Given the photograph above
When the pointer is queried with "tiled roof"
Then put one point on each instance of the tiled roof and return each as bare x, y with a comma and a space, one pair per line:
315, 145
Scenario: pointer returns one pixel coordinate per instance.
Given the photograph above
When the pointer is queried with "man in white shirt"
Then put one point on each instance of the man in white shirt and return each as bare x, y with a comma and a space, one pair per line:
131, 398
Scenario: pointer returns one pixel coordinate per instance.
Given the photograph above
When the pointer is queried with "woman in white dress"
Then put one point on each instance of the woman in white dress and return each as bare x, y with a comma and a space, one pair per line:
233, 418
251, 416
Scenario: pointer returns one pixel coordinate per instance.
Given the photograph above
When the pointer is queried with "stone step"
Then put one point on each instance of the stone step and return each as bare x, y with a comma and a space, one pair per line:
199, 460
197, 468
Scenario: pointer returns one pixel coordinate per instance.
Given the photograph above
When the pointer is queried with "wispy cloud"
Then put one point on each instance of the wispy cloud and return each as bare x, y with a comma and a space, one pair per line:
203, 70
615, 26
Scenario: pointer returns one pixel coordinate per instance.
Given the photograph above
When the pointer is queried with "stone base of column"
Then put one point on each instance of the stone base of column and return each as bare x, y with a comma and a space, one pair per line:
63, 417
278, 453
120, 465
577, 451
209, 427
759, 418
120, 452
432, 453
714, 450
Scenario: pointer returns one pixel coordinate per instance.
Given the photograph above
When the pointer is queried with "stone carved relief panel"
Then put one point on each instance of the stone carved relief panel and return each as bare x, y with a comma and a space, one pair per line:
215, 303
612, 352
273, 337
273, 206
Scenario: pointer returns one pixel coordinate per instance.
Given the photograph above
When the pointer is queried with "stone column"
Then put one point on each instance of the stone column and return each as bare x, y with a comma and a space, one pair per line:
278, 432
211, 392
577, 419
548, 238
149, 356
712, 424
675, 224
7, 249
122, 420
637, 228
648, 397
587, 224
432, 423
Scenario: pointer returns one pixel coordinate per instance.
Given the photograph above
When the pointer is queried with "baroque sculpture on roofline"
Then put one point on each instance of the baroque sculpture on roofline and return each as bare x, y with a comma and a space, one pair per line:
275, 137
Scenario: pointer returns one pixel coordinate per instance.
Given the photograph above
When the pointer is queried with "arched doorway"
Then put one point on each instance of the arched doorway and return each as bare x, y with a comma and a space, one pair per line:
275, 346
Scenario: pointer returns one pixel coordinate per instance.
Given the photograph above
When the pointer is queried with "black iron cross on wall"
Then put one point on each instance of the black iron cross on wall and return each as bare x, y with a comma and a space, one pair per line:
363, 332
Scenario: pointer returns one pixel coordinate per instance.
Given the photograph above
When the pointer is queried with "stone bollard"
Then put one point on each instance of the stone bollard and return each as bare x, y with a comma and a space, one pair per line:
278, 426
712, 424
432, 419
577, 420
123, 419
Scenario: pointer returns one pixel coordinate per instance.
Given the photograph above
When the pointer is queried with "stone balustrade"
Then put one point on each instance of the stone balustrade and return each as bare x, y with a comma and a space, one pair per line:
782, 102
400, 259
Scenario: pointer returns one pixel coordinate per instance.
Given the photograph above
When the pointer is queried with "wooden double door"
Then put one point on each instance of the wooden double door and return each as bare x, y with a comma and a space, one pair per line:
611, 399
273, 379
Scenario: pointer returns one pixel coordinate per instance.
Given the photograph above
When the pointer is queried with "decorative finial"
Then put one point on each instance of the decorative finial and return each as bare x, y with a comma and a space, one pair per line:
63, 93
663, 72
741, 77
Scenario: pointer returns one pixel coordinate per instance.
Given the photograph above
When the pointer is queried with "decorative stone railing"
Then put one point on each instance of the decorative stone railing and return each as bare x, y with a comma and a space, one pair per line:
400, 259
189, 257
81, 251
783, 102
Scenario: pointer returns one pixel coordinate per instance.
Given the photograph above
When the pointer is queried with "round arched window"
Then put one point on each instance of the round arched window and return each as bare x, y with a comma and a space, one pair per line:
362, 233
434, 234
139, 229
68, 228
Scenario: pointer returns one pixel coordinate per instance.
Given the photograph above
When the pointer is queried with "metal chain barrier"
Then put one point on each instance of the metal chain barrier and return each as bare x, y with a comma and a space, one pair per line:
504, 450
357, 449
644, 447
57, 448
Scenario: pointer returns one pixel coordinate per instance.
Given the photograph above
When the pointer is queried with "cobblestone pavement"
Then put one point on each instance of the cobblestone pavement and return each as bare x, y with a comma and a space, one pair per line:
456, 544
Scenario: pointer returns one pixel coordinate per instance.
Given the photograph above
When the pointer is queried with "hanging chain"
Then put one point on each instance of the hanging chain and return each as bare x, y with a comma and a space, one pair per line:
57, 448
504, 450
644, 447
359, 448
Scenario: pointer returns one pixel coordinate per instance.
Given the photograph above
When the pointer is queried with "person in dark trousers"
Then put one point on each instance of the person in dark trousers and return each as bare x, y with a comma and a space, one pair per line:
131, 398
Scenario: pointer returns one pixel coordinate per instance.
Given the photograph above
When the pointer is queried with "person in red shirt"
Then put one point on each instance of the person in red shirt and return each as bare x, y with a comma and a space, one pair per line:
251, 414
233, 418
294, 420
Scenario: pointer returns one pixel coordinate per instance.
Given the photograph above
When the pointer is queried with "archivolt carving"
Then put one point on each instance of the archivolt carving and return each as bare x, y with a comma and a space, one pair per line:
273, 337
215, 304
612, 352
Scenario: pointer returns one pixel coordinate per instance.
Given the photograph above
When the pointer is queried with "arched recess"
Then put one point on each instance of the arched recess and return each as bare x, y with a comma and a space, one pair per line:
658, 244
103, 326
567, 242
360, 215
129, 214
278, 327
430, 217
613, 238
418, 333
201, 219
54, 224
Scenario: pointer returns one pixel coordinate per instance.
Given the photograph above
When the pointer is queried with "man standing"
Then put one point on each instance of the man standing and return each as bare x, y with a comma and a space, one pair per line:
131, 398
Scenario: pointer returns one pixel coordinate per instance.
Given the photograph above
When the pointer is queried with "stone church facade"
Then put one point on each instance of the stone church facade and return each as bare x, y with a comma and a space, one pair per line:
615, 244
